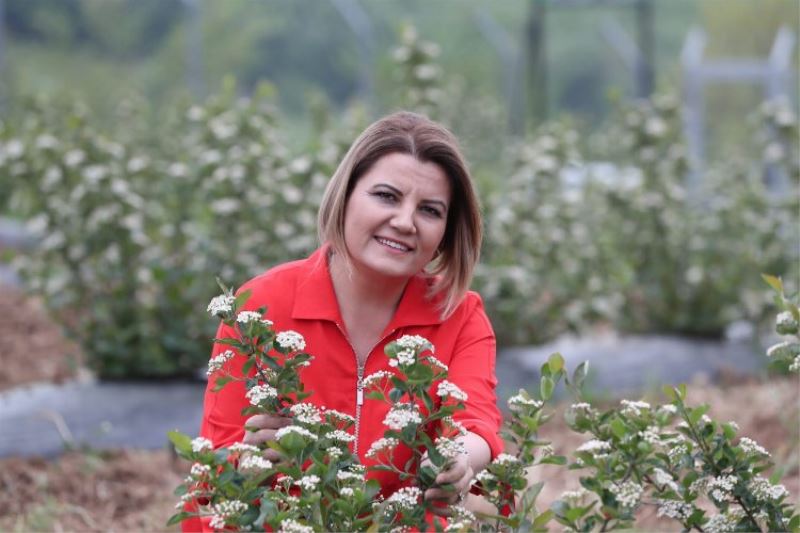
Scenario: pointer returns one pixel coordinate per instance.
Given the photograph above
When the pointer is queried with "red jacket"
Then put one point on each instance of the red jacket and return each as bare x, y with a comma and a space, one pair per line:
299, 296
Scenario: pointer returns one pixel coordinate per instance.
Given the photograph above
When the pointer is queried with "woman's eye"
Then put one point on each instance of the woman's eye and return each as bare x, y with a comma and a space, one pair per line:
432, 211
384, 195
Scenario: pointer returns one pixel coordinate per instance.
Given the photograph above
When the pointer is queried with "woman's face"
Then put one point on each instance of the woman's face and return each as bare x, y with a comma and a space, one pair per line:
396, 216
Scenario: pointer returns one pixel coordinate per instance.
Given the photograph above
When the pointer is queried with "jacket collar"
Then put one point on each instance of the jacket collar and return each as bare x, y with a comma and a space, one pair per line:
316, 299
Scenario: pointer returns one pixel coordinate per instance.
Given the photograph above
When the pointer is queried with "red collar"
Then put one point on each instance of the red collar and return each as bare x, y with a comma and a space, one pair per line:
316, 299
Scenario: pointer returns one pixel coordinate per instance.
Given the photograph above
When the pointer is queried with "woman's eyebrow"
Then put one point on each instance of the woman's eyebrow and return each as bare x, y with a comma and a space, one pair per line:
400, 193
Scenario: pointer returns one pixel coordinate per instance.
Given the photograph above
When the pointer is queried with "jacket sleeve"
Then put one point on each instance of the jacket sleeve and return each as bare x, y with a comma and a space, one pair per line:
472, 368
223, 423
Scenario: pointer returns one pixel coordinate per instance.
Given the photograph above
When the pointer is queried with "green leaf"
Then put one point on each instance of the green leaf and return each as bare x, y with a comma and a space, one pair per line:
553, 460
669, 392
682, 391
579, 375
556, 362
241, 298
697, 413
546, 387
178, 518
182, 443
376, 395
618, 428
541, 521
773, 282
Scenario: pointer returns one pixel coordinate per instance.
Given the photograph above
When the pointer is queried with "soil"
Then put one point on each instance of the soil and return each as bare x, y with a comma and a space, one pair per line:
131, 490
33, 347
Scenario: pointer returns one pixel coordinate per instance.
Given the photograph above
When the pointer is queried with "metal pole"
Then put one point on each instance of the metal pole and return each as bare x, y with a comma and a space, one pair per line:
358, 21
646, 37
194, 47
537, 59
4, 77
510, 58
693, 112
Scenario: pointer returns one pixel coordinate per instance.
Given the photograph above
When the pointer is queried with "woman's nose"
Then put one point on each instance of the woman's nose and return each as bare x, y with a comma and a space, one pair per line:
403, 220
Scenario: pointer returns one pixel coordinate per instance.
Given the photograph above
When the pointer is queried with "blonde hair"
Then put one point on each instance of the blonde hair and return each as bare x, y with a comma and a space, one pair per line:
409, 133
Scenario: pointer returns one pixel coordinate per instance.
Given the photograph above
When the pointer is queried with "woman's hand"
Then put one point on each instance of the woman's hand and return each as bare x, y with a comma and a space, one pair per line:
259, 429
452, 484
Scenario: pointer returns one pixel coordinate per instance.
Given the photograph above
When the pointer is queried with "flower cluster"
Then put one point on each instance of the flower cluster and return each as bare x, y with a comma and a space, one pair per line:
402, 415
627, 494
447, 389
291, 340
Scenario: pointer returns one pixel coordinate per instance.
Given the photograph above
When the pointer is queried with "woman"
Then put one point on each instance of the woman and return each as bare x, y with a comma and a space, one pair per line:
401, 233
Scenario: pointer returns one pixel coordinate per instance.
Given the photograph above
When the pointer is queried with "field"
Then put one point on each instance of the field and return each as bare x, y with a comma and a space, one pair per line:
127, 490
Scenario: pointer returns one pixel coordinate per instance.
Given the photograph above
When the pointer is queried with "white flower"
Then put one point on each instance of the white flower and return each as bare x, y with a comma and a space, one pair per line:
289, 525
220, 304
598, 448
338, 415
724, 522
347, 492
655, 127
505, 459
435, 362
574, 497
225, 510
633, 408
333, 452
45, 142
291, 340
627, 494
216, 363
306, 413
676, 510
650, 435
751, 447
401, 415
94, 173
484, 476
308, 482
259, 393
784, 349
344, 475
668, 409
734, 425
766, 491
414, 342
254, 463
178, 170
14, 148
580, 406
453, 424
405, 498
449, 448
376, 377
199, 469
286, 430
225, 206
664, 479
201, 444
519, 402
241, 447
381, 445
251, 316
339, 435
447, 389
795, 366
73, 158
720, 487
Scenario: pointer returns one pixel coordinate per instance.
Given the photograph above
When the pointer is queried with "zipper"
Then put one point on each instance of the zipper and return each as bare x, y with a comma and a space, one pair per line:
360, 381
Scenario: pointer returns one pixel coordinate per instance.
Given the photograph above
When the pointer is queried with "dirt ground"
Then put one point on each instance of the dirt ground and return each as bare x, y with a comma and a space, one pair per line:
131, 490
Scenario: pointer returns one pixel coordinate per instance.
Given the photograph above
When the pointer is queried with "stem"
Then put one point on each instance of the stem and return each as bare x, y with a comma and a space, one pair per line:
748, 512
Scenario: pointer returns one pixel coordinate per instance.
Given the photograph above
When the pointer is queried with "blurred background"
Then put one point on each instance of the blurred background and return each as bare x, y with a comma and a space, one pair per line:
637, 161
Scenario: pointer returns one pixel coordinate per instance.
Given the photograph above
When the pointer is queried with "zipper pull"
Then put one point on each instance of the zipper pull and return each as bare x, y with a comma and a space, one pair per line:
360, 395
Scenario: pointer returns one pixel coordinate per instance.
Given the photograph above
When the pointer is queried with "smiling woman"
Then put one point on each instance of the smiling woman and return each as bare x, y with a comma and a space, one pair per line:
401, 232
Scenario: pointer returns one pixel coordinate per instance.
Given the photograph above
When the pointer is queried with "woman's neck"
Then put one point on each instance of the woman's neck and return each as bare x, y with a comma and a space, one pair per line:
357, 291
